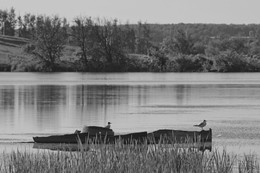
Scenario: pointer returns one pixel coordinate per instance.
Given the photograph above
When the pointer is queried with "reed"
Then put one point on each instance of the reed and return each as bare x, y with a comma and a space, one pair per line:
128, 158
249, 164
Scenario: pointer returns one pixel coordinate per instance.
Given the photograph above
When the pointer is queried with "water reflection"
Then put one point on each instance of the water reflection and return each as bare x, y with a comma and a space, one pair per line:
56, 108
132, 102
61, 108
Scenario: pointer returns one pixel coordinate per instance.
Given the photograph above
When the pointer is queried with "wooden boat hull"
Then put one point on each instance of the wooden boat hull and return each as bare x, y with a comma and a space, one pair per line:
134, 138
68, 138
96, 130
179, 136
165, 136
90, 133
86, 137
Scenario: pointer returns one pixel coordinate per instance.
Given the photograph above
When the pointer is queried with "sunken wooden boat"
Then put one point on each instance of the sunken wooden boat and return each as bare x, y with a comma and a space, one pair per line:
91, 133
130, 138
67, 138
198, 139
180, 136
95, 134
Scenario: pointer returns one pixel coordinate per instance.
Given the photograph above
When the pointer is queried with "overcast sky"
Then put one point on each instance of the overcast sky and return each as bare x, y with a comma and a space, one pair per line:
150, 11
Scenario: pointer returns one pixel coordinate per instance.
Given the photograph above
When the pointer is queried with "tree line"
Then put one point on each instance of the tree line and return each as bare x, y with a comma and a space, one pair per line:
107, 45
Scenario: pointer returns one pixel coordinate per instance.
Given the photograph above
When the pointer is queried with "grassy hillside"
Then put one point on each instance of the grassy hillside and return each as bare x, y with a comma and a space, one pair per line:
11, 45
13, 41
11, 52
13, 57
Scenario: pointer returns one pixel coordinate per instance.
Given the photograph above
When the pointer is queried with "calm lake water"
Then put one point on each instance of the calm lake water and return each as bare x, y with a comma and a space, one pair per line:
39, 104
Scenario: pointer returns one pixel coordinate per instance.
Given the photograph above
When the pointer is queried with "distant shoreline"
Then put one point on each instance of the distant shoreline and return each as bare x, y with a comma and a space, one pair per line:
89, 45
195, 64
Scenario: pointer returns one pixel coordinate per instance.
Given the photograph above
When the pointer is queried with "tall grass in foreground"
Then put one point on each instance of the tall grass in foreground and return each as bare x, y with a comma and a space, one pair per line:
128, 158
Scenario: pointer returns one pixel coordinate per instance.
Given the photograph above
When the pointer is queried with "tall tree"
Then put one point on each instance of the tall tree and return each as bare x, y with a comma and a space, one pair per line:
3, 19
180, 42
183, 42
143, 39
82, 33
27, 26
10, 23
108, 37
50, 41
129, 38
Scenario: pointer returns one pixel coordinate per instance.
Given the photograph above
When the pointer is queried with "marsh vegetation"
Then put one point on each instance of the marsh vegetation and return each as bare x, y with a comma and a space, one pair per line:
129, 158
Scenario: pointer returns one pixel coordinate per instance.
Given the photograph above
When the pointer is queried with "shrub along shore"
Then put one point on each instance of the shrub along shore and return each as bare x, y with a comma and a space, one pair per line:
129, 158
227, 62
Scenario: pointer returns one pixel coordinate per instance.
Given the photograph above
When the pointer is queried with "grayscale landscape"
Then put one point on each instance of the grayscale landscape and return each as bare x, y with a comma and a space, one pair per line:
130, 86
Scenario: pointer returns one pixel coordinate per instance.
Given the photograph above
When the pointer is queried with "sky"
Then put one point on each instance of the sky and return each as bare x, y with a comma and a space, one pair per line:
150, 11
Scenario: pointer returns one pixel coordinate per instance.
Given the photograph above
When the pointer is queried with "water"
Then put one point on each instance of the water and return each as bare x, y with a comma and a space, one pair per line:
40, 104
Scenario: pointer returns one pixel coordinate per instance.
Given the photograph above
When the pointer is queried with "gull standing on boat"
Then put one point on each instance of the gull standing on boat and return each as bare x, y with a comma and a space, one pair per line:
108, 125
202, 124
